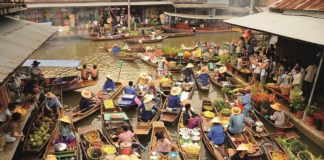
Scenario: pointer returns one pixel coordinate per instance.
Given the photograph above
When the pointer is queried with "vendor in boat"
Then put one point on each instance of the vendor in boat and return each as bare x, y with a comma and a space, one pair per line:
188, 73
147, 108
109, 85
36, 72
86, 101
94, 72
126, 135
52, 104
190, 118
220, 75
174, 99
203, 76
245, 100
241, 153
130, 89
236, 121
67, 136
216, 133
279, 116
144, 80
11, 129
116, 49
163, 145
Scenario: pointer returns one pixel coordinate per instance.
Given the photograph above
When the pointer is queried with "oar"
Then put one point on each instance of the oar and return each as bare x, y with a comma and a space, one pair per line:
144, 148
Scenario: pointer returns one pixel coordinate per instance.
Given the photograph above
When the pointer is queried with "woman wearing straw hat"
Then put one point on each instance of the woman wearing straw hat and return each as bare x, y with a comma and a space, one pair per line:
279, 116
147, 108
174, 99
236, 121
67, 135
109, 85
86, 102
52, 104
188, 73
144, 79
220, 74
203, 76
216, 133
241, 153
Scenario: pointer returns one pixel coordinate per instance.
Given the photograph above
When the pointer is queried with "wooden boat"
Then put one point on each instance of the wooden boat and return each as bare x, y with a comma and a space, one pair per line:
78, 115
270, 148
125, 101
176, 69
135, 50
149, 61
159, 127
121, 56
109, 38
198, 30
69, 83
72, 150
202, 88
288, 125
85, 144
144, 40
179, 34
205, 125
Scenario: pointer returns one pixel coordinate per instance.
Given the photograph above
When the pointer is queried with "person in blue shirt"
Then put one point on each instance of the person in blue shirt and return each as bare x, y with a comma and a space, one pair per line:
116, 49
174, 99
67, 136
203, 76
52, 104
147, 108
129, 89
236, 121
216, 133
246, 101
109, 85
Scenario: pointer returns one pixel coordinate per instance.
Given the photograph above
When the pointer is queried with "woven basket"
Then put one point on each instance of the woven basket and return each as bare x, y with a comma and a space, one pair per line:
91, 150
285, 90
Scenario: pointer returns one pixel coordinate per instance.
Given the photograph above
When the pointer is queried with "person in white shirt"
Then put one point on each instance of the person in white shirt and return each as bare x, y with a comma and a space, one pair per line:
279, 116
309, 78
4, 116
298, 77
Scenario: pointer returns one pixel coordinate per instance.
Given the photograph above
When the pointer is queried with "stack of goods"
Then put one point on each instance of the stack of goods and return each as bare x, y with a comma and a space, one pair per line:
169, 156
43, 127
295, 149
109, 104
189, 141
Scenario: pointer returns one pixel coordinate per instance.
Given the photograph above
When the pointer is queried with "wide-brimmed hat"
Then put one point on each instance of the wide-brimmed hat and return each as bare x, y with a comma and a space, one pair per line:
140, 41
148, 98
203, 70
108, 76
189, 65
216, 120
276, 106
242, 147
86, 94
122, 157
35, 63
49, 95
236, 110
115, 45
175, 91
65, 119
222, 69
50, 157
144, 75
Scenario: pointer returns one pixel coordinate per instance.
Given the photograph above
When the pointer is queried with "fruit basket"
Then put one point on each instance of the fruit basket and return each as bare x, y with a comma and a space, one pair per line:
92, 136
94, 153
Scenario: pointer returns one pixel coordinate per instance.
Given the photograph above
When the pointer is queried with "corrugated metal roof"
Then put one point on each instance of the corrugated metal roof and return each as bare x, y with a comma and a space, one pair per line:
205, 5
18, 40
193, 16
306, 5
302, 28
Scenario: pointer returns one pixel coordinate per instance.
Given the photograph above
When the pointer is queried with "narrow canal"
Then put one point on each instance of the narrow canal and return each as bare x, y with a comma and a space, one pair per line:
90, 52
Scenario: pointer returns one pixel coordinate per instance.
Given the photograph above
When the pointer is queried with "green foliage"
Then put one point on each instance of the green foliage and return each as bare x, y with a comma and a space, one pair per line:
225, 58
311, 109
226, 112
298, 103
226, 89
219, 104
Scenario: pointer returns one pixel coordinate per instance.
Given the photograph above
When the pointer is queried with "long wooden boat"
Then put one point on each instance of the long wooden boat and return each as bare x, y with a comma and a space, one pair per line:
205, 125
288, 125
178, 34
85, 145
144, 40
126, 57
159, 127
125, 101
202, 88
72, 150
148, 61
134, 50
69, 83
198, 31
78, 115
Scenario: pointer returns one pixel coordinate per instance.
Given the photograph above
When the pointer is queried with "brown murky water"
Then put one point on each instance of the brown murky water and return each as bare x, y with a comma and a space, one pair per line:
90, 52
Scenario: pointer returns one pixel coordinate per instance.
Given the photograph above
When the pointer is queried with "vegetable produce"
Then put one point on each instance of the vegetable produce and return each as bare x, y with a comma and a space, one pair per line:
305, 155
279, 156
208, 108
208, 114
94, 152
109, 104
109, 149
226, 112
92, 136
220, 104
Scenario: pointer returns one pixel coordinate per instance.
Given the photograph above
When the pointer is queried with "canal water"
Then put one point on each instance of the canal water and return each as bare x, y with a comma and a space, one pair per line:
90, 52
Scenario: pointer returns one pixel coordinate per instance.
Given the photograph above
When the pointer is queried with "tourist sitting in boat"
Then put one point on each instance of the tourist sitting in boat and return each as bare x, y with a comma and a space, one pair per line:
163, 145
52, 103
241, 153
85, 73
130, 89
144, 80
188, 73
86, 101
126, 135
147, 108
216, 133
279, 116
174, 99
245, 100
67, 136
236, 121
94, 72
109, 85
115, 49
190, 118
203, 76
36, 73
11, 129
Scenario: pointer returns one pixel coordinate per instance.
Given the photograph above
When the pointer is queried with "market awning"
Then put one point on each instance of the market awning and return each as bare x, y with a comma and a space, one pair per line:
203, 5
193, 16
53, 63
308, 29
18, 40
96, 4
